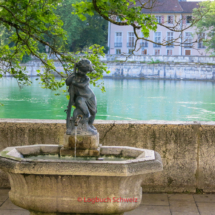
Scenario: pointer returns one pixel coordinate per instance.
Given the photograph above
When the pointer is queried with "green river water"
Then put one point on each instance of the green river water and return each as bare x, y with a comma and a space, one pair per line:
123, 100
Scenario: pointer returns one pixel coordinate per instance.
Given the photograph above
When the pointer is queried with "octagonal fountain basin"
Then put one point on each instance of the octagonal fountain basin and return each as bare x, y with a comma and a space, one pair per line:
44, 183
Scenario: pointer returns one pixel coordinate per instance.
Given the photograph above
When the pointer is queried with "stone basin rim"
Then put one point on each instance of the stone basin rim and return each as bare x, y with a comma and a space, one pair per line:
58, 147
18, 165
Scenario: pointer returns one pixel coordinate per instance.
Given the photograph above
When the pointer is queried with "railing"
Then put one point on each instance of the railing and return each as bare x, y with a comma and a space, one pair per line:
144, 44
117, 44
130, 44
188, 45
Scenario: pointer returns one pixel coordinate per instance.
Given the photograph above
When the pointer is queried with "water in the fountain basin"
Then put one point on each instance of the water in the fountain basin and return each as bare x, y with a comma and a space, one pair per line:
56, 157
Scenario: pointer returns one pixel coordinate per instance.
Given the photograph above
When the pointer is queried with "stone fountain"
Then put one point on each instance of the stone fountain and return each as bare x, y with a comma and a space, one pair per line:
82, 176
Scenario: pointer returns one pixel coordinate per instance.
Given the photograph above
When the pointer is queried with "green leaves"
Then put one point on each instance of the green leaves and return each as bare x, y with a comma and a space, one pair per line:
127, 10
206, 25
29, 27
84, 32
99, 67
28, 23
82, 8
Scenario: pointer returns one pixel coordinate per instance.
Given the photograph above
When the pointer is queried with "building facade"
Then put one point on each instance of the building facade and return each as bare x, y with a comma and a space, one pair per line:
121, 39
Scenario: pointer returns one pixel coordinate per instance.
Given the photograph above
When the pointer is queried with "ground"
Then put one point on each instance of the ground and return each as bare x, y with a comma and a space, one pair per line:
152, 204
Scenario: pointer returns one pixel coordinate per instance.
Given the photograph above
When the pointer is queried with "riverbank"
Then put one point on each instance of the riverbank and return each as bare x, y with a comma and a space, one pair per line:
164, 71
200, 68
187, 148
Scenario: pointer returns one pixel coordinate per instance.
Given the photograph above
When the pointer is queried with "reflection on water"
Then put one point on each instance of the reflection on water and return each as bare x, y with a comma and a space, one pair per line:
123, 100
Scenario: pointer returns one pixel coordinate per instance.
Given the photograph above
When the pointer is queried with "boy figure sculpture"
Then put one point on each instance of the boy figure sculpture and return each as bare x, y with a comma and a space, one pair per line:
82, 97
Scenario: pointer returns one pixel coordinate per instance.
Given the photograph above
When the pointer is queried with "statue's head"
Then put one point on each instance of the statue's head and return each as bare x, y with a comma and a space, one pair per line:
84, 66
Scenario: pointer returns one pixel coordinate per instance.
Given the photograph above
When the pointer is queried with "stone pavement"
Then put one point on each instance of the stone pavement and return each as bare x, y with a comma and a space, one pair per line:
152, 204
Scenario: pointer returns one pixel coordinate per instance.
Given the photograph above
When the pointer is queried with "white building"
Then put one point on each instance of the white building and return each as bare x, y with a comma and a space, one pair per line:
121, 39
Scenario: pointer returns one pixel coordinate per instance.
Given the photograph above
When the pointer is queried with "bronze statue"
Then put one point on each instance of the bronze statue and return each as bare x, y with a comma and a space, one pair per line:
84, 100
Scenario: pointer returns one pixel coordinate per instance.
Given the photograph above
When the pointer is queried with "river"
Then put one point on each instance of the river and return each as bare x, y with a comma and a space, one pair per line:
123, 100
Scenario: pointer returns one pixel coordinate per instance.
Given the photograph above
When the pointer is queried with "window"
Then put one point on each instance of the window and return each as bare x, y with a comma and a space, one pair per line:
189, 19
157, 39
187, 52
118, 39
144, 52
188, 40
143, 43
201, 38
131, 39
170, 19
159, 19
170, 39
157, 51
118, 19
130, 51
118, 51
169, 52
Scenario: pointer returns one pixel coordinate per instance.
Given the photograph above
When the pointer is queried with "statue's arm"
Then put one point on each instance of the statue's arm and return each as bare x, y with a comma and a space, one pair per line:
82, 84
69, 79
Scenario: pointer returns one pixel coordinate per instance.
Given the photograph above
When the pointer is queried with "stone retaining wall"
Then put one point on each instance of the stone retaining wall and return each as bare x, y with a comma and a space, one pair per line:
187, 148
179, 71
162, 58
136, 69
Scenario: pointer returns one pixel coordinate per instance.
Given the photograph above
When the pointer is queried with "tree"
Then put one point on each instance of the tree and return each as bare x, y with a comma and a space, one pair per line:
81, 34
72, 24
206, 25
34, 24
95, 31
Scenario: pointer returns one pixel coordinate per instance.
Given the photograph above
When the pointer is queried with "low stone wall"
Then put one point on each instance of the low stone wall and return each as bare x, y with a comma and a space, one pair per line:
149, 58
171, 69
179, 71
187, 148
163, 58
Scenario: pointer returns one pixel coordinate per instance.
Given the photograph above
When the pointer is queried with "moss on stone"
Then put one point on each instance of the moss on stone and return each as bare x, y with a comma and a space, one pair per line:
4, 154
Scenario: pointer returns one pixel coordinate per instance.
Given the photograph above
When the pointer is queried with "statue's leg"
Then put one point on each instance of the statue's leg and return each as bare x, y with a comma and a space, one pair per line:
91, 119
68, 124
81, 104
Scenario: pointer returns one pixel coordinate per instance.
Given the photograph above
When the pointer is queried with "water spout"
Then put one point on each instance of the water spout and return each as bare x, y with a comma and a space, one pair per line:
79, 117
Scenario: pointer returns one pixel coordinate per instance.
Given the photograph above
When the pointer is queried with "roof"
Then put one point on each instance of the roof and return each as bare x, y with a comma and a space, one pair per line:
169, 6
188, 6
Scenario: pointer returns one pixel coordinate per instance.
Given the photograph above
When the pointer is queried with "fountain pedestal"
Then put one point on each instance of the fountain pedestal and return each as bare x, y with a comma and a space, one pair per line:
81, 145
